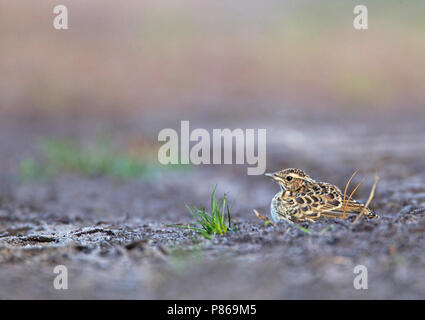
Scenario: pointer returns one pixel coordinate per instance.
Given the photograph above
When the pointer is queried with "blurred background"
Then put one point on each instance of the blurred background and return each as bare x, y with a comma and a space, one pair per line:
80, 109
129, 70
150, 55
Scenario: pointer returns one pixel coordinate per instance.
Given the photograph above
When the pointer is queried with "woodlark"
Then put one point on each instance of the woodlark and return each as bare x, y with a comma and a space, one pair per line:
303, 199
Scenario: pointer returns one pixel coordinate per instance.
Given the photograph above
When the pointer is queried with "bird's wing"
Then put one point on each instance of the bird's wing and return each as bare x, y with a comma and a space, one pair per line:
327, 199
321, 197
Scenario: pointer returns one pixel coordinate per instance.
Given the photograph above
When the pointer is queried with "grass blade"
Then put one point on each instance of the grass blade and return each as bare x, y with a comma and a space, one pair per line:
207, 224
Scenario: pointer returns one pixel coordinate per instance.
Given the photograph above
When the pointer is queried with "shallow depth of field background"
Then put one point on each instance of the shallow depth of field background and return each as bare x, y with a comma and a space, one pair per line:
80, 112
150, 55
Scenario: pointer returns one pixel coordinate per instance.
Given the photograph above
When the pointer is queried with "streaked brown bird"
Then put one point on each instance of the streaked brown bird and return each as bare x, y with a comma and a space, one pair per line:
303, 199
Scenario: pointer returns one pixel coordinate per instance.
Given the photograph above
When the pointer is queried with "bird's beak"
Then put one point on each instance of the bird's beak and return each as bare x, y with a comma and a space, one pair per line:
273, 176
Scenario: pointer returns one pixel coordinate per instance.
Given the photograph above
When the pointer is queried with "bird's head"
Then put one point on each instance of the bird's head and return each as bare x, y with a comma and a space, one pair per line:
290, 179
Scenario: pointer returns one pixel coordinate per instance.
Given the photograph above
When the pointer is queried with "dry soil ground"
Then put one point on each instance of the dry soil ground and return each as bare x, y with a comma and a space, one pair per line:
113, 235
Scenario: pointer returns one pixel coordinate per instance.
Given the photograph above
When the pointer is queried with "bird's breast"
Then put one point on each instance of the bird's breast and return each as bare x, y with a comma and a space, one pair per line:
274, 207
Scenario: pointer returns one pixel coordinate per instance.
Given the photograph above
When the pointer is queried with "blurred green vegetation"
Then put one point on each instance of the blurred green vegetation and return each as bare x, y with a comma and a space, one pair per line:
180, 258
30, 170
98, 159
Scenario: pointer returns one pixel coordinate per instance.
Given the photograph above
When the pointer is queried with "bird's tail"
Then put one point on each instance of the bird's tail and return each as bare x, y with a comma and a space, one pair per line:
356, 207
351, 207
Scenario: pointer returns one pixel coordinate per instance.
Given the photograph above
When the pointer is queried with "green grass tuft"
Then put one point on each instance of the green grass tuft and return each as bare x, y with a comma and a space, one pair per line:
215, 222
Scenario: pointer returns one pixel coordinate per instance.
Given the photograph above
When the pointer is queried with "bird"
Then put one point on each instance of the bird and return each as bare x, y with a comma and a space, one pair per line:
301, 199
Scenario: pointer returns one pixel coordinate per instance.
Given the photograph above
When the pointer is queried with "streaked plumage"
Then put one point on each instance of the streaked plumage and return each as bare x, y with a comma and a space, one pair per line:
303, 199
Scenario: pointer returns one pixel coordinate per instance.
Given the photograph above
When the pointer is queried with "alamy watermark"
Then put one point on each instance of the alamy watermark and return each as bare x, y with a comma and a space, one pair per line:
61, 280
60, 21
179, 146
360, 21
360, 281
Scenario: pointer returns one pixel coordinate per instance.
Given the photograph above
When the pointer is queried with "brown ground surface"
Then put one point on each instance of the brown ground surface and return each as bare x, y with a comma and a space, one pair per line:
112, 234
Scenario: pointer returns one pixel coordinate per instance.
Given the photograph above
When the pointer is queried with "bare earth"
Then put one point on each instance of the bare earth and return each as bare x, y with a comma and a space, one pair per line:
113, 235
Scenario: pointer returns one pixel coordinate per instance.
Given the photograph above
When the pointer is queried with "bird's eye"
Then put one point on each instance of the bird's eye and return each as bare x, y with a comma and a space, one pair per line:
288, 178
